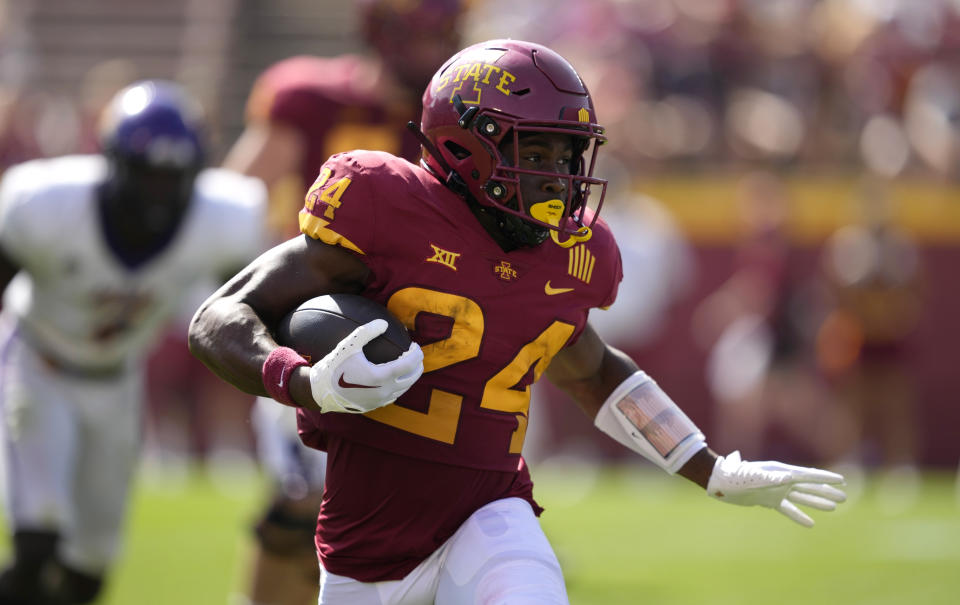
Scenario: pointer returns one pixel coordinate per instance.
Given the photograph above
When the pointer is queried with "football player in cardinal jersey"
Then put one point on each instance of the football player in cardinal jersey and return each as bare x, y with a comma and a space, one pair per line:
95, 253
304, 109
301, 111
492, 253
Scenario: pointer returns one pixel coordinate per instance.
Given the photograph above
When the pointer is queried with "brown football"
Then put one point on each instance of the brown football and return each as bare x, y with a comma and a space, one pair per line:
318, 325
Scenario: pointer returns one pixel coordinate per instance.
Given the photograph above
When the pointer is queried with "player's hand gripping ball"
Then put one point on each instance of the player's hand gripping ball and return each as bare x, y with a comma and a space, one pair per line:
363, 357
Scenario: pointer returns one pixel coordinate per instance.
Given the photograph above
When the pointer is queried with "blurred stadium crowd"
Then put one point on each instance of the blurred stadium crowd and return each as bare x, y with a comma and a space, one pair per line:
791, 166
851, 84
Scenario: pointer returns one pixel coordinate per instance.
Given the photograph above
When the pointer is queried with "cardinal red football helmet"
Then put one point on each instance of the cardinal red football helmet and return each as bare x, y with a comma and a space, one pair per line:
505, 88
412, 37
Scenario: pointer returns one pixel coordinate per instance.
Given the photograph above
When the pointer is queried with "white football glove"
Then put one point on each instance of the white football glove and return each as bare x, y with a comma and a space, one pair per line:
775, 485
346, 381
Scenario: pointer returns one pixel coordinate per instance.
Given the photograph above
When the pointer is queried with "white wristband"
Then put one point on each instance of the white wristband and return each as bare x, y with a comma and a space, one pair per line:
642, 417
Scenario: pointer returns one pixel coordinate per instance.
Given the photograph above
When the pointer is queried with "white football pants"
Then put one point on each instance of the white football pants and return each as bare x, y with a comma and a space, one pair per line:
70, 447
499, 556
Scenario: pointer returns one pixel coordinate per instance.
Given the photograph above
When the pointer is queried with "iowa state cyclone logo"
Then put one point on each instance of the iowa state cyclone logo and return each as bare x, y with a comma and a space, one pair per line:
476, 76
504, 271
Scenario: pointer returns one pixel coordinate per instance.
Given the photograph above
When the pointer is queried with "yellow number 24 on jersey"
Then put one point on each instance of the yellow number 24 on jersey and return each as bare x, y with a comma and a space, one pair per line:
440, 420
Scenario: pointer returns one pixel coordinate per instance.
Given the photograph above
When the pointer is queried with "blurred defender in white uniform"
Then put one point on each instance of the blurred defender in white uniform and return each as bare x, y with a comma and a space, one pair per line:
95, 254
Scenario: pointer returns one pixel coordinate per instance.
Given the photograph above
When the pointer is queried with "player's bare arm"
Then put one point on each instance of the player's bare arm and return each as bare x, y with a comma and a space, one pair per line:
268, 151
632, 409
590, 370
232, 331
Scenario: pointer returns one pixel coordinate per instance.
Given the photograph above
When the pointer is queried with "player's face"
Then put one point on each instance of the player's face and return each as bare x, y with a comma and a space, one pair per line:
151, 199
548, 153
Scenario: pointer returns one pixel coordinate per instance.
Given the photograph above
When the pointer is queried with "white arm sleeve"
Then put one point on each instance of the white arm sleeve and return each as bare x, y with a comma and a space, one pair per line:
642, 417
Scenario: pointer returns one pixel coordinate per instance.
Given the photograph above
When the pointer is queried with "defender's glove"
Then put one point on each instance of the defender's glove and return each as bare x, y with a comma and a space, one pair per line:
346, 381
775, 485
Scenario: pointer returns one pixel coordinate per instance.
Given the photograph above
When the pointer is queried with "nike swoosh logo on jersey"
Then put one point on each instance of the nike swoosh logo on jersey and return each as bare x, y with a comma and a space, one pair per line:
551, 291
349, 385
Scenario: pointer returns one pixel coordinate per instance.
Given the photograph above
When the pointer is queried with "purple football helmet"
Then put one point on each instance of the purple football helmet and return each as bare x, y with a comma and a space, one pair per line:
506, 88
152, 136
156, 123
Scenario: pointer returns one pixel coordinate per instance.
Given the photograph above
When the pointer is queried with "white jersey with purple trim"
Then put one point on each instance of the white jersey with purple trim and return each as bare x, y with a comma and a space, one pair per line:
74, 299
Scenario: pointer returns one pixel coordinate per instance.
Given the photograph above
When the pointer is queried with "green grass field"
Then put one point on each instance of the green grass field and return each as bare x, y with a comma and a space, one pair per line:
623, 538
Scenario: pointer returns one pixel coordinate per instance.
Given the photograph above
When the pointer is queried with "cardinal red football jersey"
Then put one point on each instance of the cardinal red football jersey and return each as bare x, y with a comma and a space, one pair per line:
489, 322
336, 105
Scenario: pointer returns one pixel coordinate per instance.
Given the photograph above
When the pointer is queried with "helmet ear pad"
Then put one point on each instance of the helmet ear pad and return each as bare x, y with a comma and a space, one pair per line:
475, 159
